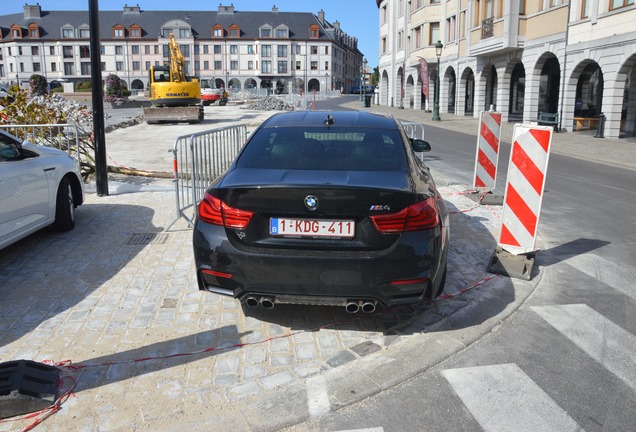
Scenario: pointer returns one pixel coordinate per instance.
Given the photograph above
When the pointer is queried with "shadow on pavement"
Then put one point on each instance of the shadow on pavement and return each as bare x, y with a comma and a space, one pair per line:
50, 273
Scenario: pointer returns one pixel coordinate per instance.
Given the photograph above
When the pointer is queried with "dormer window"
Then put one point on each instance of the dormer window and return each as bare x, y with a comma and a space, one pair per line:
119, 31
314, 31
217, 31
134, 31
282, 32
34, 31
16, 31
265, 32
235, 31
68, 32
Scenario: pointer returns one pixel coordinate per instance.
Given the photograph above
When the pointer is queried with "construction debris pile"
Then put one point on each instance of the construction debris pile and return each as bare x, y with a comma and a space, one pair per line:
270, 103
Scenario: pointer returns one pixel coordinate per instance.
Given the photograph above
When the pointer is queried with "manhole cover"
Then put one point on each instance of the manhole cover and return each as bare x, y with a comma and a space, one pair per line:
147, 238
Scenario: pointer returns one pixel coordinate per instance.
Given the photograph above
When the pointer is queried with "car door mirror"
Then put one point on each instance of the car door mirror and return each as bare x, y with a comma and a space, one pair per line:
419, 145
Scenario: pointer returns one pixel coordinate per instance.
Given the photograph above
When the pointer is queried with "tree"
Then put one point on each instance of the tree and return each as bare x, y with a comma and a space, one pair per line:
39, 85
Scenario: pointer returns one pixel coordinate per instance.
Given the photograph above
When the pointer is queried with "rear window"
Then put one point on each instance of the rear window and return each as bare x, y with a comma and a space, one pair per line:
337, 149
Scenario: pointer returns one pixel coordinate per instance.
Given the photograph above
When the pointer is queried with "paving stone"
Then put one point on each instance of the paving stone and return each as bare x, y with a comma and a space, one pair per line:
365, 348
340, 358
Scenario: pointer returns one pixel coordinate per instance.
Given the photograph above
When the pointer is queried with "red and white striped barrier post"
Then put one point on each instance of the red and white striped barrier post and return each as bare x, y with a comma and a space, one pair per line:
487, 156
523, 198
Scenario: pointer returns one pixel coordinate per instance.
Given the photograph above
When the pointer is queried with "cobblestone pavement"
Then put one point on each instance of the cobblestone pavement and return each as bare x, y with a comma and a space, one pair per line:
118, 297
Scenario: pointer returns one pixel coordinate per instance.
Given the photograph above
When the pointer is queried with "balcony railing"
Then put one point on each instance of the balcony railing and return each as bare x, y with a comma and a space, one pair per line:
487, 28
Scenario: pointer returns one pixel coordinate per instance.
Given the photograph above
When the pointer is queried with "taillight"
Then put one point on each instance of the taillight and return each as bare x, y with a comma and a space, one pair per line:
416, 217
214, 211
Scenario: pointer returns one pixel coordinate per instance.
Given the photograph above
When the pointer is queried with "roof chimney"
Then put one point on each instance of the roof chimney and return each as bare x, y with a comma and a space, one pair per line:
132, 9
226, 9
336, 24
321, 16
31, 11
274, 8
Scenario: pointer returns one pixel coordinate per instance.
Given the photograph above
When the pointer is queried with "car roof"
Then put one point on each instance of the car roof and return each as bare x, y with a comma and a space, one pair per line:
353, 119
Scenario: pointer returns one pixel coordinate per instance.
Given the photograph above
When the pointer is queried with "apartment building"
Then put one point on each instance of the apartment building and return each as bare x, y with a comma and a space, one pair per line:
576, 59
280, 51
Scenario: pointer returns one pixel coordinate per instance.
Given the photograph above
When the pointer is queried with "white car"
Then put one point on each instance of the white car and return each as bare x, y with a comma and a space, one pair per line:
39, 186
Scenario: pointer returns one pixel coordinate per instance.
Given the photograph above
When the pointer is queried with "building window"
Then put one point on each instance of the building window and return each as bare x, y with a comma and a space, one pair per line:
282, 67
184, 33
147, 65
434, 34
383, 15
616, 4
266, 66
35, 50
134, 49
136, 65
118, 32
156, 49
233, 49
326, 65
206, 65
53, 67
266, 33
298, 65
314, 49
314, 65
135, 32
85, 68
69, 68
85, 33
451, 28
85, 51
103, 66
102, 49
218, 65
51, 50
281, 33
119, 66
282, 50
67, 51
36, 67
34, 32
266, 51
250, 64
235, 31
314, 31
234, 65
250, 49
217, 31
217, 49
185, 50
68, 33
384, 45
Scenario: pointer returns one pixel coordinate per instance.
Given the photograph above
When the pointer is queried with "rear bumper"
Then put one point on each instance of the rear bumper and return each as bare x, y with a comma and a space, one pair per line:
408, 272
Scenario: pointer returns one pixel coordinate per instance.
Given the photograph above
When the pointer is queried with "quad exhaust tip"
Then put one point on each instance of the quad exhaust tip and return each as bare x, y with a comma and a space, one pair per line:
357, 306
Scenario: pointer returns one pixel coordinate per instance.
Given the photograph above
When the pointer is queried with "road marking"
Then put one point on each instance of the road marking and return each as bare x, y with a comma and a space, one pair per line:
317, 397
503, 398
607, 343
616, 276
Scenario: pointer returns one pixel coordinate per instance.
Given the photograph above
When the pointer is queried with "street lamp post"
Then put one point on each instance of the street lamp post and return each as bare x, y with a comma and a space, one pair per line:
363, 86
438, 53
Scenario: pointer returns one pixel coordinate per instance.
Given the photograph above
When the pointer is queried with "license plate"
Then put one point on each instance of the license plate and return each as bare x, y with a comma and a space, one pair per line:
312, 228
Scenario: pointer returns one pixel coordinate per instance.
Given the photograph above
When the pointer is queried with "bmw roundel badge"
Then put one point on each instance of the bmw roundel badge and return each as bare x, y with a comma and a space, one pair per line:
311, 202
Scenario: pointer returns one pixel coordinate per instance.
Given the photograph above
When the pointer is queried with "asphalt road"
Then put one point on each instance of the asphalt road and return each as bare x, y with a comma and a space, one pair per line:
566, 361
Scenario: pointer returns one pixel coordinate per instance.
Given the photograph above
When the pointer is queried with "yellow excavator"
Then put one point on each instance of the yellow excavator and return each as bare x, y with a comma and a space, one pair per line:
174, 96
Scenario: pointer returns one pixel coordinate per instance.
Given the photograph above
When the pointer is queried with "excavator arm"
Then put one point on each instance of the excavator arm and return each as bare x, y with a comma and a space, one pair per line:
177, 62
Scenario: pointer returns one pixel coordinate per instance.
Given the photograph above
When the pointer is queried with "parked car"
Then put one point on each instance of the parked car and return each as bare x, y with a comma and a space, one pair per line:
210, 93
324, 208
39, 186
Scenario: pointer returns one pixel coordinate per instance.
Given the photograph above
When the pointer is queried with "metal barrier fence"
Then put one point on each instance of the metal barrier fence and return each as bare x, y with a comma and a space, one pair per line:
61, 136
199, 159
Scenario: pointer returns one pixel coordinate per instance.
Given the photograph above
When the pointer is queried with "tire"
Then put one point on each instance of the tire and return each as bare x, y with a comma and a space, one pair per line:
64, 207
442, 283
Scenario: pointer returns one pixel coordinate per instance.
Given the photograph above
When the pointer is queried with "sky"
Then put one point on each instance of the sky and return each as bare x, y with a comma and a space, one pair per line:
358, 18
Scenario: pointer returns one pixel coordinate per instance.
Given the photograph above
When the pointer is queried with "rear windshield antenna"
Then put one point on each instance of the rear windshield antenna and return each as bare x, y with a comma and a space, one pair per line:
329, 120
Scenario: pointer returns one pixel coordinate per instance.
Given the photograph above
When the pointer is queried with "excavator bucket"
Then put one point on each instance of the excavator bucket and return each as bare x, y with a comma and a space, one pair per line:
190, 114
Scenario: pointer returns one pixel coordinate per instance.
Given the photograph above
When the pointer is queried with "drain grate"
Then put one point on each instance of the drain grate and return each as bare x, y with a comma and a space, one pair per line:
147, 238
